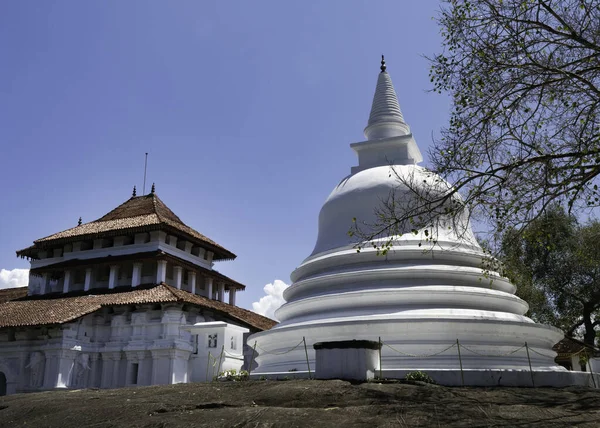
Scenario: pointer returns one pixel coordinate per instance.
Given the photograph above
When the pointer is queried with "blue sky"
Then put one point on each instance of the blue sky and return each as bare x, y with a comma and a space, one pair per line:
247, 110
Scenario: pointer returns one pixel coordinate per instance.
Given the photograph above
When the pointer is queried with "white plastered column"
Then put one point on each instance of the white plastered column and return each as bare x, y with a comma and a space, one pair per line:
136, 275
221, 295
161, 271
113, 277
67, 281
45, 283
88, 279
117, 379
209, 288
94, 381
107, 367
232, 292
178, 274
192, 281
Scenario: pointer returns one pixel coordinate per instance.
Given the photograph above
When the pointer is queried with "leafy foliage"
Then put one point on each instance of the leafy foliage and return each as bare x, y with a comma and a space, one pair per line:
233, 375
525, 80
555, 262
419, 376
524, 132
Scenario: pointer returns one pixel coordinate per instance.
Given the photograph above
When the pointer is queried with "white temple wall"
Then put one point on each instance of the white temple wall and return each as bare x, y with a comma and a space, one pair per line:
109, 350
220, 347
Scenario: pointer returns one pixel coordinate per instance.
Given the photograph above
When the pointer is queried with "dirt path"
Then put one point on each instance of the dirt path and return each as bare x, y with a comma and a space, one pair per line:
301, 403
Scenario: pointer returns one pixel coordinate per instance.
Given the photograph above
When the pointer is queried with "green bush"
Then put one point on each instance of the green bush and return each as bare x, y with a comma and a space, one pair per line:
419, 376
233, 375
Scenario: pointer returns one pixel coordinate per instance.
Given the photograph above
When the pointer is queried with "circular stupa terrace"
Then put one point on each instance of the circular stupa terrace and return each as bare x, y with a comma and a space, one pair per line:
422, 304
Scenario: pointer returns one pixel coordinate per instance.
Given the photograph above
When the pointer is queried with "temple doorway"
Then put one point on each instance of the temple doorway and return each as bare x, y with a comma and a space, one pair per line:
2, 384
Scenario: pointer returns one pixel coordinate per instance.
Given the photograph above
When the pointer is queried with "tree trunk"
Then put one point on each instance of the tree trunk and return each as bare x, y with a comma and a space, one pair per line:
589, 336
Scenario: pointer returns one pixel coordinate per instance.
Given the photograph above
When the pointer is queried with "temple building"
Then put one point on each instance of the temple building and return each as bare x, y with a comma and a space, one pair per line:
429, 303
129, 299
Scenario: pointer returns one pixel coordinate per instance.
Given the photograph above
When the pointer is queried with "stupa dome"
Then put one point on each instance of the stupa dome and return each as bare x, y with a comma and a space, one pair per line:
357, 195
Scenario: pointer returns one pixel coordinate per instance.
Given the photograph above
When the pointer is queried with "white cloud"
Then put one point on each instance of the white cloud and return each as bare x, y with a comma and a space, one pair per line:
267, 305
14, 278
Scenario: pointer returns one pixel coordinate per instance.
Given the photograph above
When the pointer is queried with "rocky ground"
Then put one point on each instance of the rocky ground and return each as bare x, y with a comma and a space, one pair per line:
304, 403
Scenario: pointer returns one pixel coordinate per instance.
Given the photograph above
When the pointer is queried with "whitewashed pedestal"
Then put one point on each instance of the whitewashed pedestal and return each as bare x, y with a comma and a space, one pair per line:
347, 359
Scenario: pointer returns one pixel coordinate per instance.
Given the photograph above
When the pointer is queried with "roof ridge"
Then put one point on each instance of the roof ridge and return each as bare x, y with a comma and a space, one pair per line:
114, 209
154, 206
170, 289
155, 200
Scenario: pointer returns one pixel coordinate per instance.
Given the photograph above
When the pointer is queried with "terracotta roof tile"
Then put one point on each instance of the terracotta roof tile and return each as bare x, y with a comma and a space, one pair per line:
569, 346
46, 310
12, 294
98, 226
146, 212
244, 315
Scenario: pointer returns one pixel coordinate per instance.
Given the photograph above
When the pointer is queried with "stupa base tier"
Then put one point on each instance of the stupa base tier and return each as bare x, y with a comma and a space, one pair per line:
470, 377
410, 345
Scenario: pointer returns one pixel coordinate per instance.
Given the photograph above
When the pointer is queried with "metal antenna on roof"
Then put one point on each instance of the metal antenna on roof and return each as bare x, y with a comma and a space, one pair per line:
145, 168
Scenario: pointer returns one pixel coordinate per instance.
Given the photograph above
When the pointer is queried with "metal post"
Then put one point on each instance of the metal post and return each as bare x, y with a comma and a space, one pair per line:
530, 369
145, 168
251, 360
208, 365
306, 352
220, 360
462, 376
380, 376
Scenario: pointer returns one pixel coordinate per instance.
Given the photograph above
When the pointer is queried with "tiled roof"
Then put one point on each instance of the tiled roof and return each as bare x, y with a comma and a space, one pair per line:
241, 314
139, 213
12, 294
569, 346
42, 310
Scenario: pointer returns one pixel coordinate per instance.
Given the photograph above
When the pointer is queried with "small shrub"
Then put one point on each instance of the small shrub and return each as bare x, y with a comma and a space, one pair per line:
233, 375
419, 376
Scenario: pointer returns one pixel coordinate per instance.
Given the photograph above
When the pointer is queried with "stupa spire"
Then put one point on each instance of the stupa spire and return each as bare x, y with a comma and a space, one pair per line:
386, 119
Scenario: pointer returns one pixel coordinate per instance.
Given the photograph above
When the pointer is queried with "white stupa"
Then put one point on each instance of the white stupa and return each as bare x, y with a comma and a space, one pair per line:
418, 302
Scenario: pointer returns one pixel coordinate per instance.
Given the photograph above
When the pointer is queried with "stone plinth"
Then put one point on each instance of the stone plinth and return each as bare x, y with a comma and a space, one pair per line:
347, 359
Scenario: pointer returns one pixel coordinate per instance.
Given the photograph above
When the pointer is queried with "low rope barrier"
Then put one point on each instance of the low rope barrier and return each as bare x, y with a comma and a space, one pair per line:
544, 355
492, 355
265, 352
419, 356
